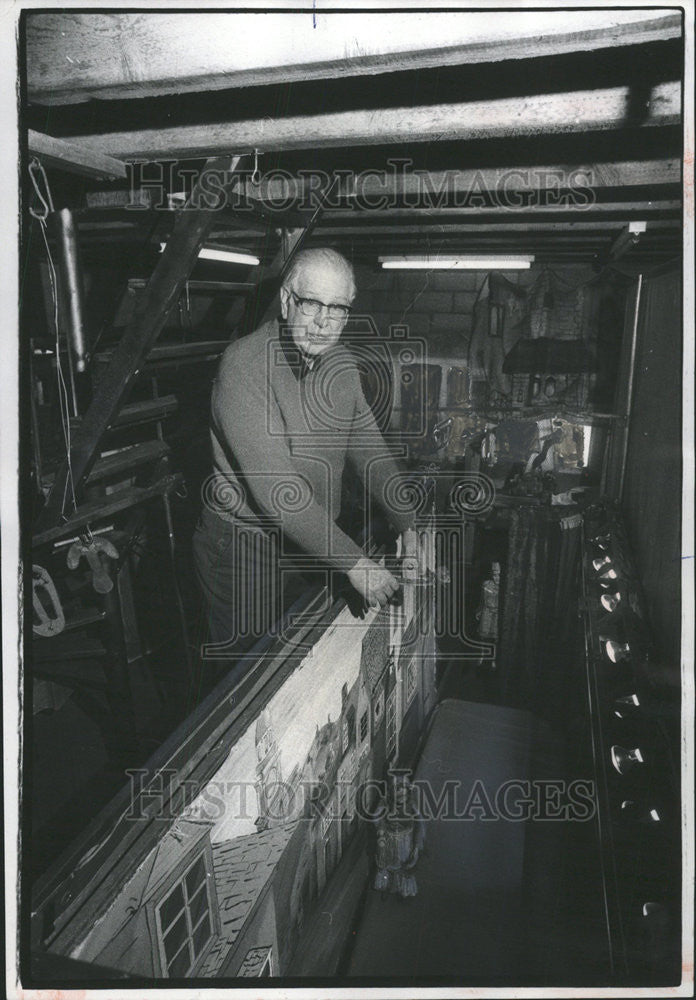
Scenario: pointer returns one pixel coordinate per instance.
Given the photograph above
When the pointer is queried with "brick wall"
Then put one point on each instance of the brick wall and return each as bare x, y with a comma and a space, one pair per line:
437, 305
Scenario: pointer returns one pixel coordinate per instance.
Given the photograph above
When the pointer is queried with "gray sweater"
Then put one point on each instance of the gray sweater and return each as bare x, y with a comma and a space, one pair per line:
281, 438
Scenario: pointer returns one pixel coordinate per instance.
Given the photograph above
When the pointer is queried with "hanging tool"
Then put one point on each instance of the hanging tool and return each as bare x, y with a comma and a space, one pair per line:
97, 551
71, 289
49, 613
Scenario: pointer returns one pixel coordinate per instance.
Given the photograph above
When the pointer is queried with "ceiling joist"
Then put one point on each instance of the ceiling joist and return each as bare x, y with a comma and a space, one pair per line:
75, 158
578, 206
74, 57
573, 230
587, 208
543, 114
276, 189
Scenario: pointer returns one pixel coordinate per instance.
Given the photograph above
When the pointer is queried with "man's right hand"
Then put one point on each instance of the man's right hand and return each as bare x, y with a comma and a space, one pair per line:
376, 584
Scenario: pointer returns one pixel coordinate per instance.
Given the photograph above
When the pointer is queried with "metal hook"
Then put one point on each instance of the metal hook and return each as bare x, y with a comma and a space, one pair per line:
35, 167
256, 173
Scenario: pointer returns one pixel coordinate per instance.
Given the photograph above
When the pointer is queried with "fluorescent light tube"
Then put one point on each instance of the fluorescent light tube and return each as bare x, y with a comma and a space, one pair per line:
462, 262
229, 256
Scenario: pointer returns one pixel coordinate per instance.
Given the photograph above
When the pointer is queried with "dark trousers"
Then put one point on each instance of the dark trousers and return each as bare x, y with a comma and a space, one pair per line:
237, 570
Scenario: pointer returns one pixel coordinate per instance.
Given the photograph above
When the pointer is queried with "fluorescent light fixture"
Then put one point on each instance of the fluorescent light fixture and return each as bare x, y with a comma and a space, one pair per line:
462, 262
228, 256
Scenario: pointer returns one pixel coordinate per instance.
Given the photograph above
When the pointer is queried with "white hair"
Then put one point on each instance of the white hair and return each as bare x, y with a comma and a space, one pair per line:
321, 256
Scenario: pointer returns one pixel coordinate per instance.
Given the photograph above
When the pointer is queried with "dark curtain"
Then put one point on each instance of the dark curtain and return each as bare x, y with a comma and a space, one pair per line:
653, 487
538, 620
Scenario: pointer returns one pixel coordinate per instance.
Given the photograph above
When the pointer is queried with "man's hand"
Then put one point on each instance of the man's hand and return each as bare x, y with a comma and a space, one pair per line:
375, 583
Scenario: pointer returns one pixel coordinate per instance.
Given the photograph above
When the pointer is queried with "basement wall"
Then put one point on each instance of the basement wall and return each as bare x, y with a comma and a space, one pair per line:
439, 305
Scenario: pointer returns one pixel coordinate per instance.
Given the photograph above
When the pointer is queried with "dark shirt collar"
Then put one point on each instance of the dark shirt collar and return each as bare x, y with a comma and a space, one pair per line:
299, 363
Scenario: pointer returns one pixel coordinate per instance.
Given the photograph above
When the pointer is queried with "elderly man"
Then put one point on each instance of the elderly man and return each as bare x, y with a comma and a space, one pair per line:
288, 413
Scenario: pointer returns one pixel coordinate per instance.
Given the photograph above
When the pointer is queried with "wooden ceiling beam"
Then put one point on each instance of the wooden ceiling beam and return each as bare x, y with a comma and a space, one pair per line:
467, 238
276, 189
502, 237
503, 227
74, 57
518, 240
542, 114
75, 158
580, 211
553, 230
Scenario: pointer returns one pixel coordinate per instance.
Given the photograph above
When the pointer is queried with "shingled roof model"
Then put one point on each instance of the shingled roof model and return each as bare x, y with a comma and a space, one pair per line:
242, 868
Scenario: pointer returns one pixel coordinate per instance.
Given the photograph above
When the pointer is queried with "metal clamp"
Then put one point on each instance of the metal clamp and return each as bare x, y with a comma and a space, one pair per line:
50, 615
93, 548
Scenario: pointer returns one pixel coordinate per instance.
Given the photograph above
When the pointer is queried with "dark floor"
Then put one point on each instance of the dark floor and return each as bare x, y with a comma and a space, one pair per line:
468, 921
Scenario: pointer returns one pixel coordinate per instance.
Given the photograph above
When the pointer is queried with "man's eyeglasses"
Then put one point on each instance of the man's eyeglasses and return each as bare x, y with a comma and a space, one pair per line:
312, 307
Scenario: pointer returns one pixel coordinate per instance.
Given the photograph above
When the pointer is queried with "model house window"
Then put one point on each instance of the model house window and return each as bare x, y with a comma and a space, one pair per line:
349, 723
410, 681
257, 962
379, 705
184, 922
363, 727
391, 722
348, 730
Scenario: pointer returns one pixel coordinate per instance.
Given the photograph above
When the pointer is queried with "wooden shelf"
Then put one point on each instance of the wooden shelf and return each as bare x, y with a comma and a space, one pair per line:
106, 507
